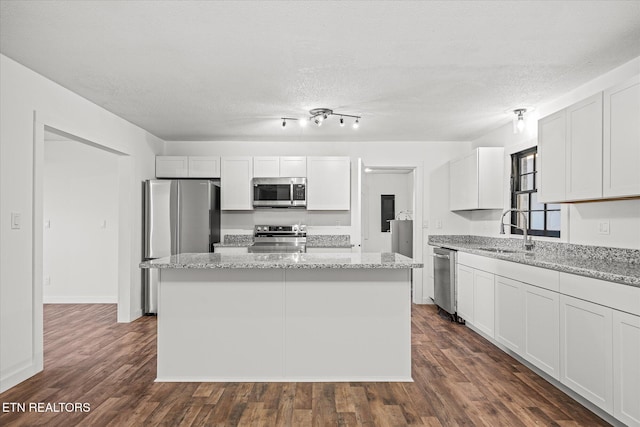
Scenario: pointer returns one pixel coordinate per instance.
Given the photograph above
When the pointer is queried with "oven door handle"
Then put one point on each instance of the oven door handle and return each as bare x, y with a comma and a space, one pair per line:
441, 256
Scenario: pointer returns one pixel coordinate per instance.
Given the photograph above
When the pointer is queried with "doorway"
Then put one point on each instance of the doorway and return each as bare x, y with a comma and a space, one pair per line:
80, 212
406, 182
388, 194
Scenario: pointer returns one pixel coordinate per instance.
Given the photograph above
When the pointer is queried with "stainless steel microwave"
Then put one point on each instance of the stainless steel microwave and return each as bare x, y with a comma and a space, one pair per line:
280, 192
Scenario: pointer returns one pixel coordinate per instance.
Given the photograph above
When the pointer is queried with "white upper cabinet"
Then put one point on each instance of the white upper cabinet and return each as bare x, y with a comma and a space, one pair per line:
591, 149
293, 167
476, 180
273, 166
552, 133
584, 150
172, 166
328, 183
235, 182
187, 167
266, 167
204, 167
621, 140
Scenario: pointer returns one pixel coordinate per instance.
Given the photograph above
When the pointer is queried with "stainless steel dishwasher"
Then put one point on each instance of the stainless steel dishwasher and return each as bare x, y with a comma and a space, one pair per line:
444, 275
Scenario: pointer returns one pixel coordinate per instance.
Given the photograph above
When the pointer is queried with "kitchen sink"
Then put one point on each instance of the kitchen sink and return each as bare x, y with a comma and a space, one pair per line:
501, 250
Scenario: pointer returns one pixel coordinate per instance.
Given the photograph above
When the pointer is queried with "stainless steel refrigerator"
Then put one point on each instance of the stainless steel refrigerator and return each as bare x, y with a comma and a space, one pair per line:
402, 237
181, 216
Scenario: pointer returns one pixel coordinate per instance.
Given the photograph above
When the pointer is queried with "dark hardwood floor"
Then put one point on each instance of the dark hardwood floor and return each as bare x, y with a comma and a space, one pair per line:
460, 379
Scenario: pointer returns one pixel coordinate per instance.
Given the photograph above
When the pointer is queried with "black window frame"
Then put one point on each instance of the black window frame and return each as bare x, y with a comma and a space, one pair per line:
516, 175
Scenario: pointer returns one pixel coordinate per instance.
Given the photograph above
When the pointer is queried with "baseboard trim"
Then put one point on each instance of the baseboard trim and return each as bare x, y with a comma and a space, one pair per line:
80, 300
282, 380
19, 375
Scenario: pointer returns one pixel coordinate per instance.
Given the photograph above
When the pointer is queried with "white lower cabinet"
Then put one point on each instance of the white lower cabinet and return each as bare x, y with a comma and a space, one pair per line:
542, 329
465, 293
510, 313
483, 302
626, 367
582, 332
586, 349
527, 322
475, 298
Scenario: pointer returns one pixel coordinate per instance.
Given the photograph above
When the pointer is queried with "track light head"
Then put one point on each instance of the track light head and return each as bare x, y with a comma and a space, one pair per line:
356, 124
284, 122
341, 121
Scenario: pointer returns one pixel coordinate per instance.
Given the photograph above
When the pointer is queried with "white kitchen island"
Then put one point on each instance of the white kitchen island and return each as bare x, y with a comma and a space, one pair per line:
284, 317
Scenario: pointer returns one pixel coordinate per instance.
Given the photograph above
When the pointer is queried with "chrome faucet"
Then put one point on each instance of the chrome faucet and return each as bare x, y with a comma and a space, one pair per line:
528, 242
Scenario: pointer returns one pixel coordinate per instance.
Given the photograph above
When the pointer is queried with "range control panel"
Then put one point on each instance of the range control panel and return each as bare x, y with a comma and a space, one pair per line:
280, 230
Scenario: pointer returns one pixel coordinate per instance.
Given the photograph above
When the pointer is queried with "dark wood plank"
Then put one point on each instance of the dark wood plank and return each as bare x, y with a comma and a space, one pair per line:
460, 379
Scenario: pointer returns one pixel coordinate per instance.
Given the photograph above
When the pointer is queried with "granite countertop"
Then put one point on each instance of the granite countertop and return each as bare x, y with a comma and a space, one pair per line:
304, 260
329, 241
313, 241
610, 264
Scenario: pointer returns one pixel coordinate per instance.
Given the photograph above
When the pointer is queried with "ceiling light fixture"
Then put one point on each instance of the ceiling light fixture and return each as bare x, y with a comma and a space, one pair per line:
318, 115
518, 123
284, 120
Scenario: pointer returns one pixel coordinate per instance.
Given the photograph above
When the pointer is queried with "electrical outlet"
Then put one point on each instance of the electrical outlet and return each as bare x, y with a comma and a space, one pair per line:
603, 227
438, 224
425, 224
16, 220
47, 281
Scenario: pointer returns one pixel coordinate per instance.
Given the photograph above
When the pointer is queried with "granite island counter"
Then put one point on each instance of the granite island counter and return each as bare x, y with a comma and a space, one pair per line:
284, 317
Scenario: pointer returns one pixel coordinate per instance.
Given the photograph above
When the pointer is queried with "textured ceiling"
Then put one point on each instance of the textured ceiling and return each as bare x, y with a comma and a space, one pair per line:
223, 70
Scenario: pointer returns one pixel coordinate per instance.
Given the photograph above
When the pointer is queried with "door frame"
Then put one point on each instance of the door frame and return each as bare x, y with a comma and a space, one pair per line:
418, 295
42, 122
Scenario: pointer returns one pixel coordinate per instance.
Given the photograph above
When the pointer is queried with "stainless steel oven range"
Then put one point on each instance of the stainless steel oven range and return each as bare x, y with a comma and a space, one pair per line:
279, 239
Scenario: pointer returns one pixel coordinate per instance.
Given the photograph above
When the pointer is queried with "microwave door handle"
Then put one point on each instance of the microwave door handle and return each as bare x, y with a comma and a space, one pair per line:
291, 194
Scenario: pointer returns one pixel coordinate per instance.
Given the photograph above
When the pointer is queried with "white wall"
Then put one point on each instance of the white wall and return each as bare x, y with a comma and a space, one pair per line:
580, 222
80, 254
376, 184
26, 94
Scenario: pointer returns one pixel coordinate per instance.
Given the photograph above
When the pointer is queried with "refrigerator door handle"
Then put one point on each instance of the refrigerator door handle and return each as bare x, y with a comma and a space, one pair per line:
178, 219
173, 214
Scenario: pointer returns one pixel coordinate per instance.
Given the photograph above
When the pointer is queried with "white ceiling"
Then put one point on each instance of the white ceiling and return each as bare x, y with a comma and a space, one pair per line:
414, 70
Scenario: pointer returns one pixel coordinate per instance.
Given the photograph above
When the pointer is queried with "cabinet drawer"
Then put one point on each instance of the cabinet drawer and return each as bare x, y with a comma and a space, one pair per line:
542, 277
478, 262
621, 297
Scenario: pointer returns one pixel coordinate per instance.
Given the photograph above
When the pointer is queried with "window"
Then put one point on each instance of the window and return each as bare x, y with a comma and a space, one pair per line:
542, 219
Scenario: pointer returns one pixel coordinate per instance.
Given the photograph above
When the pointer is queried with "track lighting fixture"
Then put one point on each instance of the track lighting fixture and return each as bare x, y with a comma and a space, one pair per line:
519, 124
284, 120
318, 115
